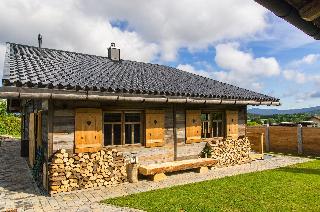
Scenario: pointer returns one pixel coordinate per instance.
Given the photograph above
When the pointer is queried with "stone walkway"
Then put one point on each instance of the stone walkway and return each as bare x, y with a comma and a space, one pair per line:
18, 191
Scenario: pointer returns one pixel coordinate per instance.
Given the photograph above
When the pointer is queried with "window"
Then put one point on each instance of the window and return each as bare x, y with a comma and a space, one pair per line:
217, 125
112, 128
205, 130
132, 128
122, 128
212, 124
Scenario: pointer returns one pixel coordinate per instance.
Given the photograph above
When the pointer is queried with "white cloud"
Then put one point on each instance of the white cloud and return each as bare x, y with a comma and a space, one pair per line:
296, 76
229, 57
65, 26
302, 78
281, 35
308, 59
243, 68
189, 68
157, 28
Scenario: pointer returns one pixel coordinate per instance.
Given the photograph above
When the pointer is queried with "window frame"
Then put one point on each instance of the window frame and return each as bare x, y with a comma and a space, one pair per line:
123, 124
211, 120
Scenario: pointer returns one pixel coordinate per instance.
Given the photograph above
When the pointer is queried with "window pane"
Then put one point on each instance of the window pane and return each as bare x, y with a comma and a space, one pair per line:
205, 116
128, 134
220, 129
117, 134
136, 133
217, 116
112, 117
214, 129
205, 130
107, 134
132, 117
132, 132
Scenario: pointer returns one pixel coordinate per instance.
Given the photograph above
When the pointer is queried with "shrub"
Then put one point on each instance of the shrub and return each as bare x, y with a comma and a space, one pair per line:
10, 124
253, 123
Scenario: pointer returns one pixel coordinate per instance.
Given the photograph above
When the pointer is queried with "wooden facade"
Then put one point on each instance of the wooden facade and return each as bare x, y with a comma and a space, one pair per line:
167, 132
78, 126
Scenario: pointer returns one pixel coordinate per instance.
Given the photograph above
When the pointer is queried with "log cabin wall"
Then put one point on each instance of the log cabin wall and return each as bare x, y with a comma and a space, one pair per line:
242, 120
29, 106
64, 128
41, 132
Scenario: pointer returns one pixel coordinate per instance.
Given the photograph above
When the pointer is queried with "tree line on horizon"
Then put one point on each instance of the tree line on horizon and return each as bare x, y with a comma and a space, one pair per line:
254, 119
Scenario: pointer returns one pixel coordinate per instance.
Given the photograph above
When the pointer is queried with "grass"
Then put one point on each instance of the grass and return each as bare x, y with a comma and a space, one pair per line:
292, 188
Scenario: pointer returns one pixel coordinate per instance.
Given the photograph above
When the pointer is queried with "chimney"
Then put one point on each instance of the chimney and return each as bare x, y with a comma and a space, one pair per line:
40, 40
113, 52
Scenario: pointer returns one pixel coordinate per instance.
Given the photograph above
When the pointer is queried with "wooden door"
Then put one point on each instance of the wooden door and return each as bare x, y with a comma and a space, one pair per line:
193, 126
32, 139
88, 130
154, 128
232, 123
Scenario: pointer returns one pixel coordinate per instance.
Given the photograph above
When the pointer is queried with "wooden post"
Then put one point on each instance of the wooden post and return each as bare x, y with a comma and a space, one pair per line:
299, 136
261, 143
175, 143
50, 128
267, 139
132, 173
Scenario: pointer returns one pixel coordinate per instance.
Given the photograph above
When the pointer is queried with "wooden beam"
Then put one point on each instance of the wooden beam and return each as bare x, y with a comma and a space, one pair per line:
310, 11
175, 141
50, 128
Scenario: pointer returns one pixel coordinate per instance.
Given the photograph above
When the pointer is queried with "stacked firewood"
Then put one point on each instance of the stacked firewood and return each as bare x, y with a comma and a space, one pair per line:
69, 172
230, 151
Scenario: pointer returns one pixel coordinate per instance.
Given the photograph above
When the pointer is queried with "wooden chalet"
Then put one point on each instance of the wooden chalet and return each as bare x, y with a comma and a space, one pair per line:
81, 103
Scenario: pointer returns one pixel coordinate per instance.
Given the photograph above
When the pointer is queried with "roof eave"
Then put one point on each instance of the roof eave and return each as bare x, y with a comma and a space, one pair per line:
11, 92
287, 12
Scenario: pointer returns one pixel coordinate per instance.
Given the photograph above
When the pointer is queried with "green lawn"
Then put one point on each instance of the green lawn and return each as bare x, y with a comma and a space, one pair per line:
293, 188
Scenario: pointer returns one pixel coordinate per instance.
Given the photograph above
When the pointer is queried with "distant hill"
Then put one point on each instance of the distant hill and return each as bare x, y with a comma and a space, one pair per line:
269, 112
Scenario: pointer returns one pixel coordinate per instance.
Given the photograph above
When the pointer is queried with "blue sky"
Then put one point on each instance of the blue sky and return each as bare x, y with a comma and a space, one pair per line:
249, 47
293, 92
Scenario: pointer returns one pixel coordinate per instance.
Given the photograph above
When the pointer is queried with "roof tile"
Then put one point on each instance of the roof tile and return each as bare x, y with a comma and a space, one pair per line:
32, 66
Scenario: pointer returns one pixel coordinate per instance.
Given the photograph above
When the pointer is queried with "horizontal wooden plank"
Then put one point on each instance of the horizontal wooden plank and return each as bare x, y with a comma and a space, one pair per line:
311, 141
63, 141
66, 112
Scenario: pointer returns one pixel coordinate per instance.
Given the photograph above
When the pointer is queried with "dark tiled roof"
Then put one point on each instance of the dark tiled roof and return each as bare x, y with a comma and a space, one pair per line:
35, 67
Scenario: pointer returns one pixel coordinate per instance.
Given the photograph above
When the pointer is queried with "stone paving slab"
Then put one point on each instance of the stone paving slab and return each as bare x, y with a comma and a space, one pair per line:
18, 190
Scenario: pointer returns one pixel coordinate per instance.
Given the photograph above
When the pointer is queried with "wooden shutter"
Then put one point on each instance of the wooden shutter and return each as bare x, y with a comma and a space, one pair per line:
88, 130
154, 128
232, 123
193, 126
32, 139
